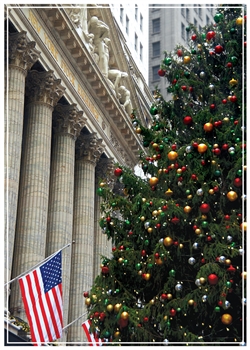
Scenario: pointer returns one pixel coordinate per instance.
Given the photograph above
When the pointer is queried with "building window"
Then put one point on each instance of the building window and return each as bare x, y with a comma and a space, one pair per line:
182, 10
136, 42
195, 23
121, 14
127, 25
183, 31
156, 25
155, 75
156, 48
207, 20
141, 52
200, 29
188, 15
141, 22
136, 12
195, 8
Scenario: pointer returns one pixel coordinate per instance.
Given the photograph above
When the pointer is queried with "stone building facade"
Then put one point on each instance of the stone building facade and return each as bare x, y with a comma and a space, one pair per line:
69, 93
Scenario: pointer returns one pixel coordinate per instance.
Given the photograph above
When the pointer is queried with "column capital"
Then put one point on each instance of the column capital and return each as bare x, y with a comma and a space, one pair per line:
68, 120
43, 87
89, 147
104, 169
22, 53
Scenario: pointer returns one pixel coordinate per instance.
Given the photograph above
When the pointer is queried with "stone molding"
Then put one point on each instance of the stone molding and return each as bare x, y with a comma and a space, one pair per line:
68, 120
43, 87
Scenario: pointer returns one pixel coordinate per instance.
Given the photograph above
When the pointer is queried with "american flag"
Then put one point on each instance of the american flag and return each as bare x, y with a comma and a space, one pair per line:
41, 291
92, 337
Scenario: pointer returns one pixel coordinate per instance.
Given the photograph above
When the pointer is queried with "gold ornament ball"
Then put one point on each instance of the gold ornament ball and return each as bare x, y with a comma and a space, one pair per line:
142, 218
159, 212
172, 166
120, 260
169, 296
150, 230
124, 315
179, 171
172, 155
202, 280
213, 162
140, 272
181, 245
147, 276
232, 196
204, 217
117, 334
155, 212
189, 196
138, 130
110, 308
243, 226
226, 319
125, 191
102, 184
87, 301
244, 167
167, 241
211, 191
202, 147
152, 301
191, 302
199, 46
160, 171
216, 145
94, 297
239, 21
208, 127
117, 307
155, 145
165, 318
228, 262
154, 157
197, 231
153, 181
187, 209
186, 59
226, 119
144, 200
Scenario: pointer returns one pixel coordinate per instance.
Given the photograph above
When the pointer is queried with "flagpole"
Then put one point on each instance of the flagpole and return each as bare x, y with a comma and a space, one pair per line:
33, 267
74, 320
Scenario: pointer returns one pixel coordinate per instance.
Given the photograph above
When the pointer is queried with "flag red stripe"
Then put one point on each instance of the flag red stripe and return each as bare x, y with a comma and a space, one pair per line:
26, 308
43, 311
55, 291
52, 313
35, 319
86, 330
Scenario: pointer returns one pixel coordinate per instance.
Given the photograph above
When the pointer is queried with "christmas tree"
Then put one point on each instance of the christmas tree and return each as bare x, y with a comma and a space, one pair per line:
177, 274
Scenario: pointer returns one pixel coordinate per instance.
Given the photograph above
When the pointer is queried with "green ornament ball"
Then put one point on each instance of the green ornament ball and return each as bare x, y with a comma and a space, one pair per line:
138, 266
172, 273
188, 29
204, 224
239, 172
217, 309
167, 61
100, 191
146, 242
217, 173
146, 143
153, 110
187, 74
218, 17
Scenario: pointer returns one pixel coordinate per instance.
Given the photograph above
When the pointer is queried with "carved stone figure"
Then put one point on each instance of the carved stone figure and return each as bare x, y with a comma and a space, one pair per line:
125, 99
99, 29
114, 79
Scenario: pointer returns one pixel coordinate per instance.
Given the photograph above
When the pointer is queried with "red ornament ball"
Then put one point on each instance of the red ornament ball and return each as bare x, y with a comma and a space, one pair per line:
161, 72
212, 106
118, 172
183, 87
237, 182
210, 35
194, 37
205, 208
179, 53
218, 49
187, 120
233, 99
224, 101
172, 312
229, 65
105, 270
213, 279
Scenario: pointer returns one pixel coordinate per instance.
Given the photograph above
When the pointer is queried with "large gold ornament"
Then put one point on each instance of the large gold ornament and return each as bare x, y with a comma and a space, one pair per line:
186, 59
87, 301
226, 319
187, 209
169, 192
153, 181
124, 315
172, 155
117, 307
232, 196
110, 308
202, 147
167, 241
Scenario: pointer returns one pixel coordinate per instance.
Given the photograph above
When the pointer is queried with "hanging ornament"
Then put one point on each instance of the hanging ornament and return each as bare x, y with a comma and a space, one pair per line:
195, 245
169, 192
210, 35
186, 59
161, 72
218, 49
232, 196
233, 82
202, 74
187, 120
218, 17
212, 279
153, 181
172, 312
187, 209
205, 208
204, 298
178, 287
172, 273
237, 182
172, 155
153, 110
191, 261
239, 21
118, 172
175, 220
179, 53
226, 319
208, 127
202, 148
189, 149
168, 241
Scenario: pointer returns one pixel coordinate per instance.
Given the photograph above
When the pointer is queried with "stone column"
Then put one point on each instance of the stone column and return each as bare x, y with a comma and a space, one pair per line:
21, 56
42, 93
67, 124
88, 151
102, 246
